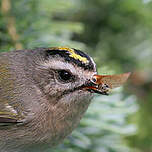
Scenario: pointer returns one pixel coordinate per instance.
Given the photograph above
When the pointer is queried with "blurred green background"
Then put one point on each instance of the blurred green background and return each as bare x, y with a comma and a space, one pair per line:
118, 35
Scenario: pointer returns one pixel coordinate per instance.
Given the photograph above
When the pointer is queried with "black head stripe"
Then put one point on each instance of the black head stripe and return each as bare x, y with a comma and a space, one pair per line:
72, 55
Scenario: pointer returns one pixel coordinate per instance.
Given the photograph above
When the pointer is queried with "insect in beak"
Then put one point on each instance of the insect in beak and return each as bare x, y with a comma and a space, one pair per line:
102, 84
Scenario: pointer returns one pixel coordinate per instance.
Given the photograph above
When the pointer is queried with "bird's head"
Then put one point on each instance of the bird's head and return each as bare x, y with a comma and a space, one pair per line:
65, 73
70, 75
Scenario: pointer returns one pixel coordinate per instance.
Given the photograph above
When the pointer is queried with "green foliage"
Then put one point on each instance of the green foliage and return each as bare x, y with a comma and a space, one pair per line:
117, 33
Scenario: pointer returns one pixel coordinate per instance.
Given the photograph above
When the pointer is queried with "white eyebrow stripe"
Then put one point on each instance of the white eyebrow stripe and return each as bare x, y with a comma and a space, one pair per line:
55, 64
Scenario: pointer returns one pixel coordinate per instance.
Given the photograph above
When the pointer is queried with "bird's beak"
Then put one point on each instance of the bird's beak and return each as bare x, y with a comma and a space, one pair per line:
102, 84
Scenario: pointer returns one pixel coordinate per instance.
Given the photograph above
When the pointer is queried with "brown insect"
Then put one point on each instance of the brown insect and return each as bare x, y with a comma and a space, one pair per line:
104, 83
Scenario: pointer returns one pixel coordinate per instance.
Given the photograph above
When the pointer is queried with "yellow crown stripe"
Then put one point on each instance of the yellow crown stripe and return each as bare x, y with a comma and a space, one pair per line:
72, 54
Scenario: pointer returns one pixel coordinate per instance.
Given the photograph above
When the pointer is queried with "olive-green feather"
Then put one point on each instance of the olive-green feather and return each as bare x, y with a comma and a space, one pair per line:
8, 114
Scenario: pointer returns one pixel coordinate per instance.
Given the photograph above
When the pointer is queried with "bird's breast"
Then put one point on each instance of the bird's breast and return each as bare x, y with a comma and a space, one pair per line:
64, 117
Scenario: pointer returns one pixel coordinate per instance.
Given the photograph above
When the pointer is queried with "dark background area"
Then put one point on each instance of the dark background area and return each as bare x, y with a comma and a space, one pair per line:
118, 35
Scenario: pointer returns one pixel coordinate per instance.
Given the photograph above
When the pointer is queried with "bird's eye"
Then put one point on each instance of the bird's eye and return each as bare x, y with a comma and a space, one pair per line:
65, 75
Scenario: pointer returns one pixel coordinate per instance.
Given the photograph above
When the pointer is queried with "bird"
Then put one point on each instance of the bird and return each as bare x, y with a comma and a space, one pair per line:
44, 93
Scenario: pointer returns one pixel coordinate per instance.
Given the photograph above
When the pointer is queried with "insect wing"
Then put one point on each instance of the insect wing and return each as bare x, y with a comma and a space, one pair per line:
114, 81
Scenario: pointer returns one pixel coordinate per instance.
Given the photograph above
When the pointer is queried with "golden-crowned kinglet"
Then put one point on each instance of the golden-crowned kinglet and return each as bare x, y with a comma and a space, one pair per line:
44, 93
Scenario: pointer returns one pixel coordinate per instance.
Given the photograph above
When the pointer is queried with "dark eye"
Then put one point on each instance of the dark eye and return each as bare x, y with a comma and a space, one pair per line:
65, 75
